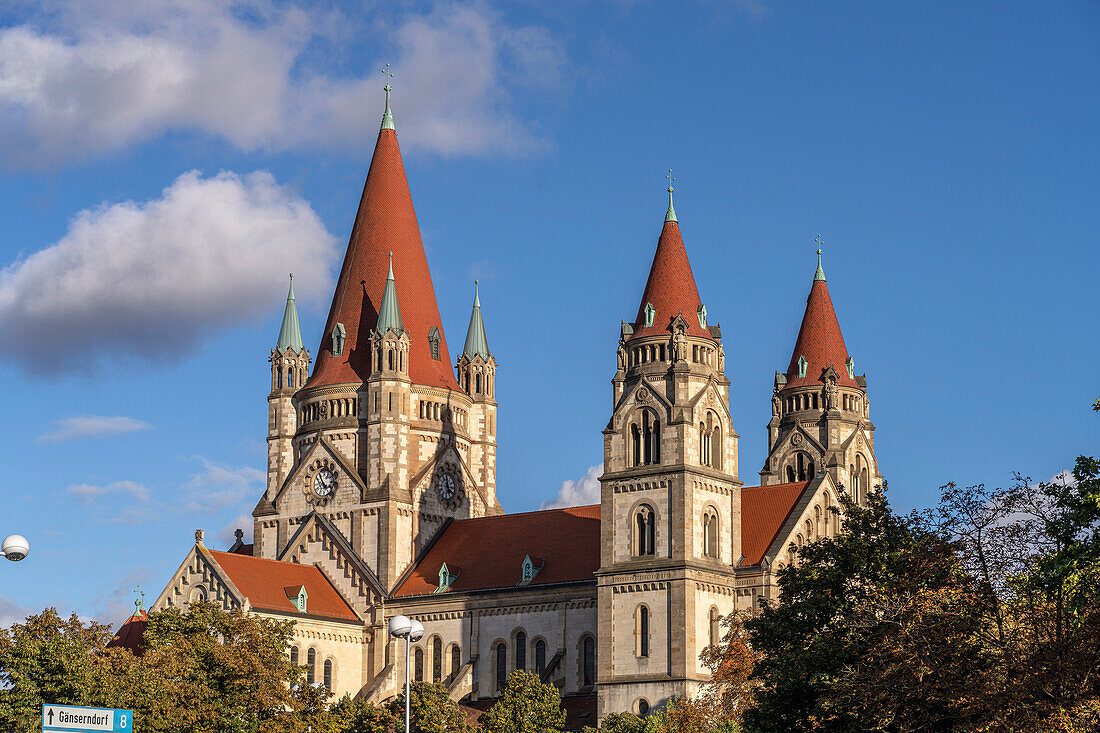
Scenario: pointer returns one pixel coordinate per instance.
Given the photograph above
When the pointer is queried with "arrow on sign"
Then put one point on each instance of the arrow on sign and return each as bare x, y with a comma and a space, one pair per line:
51, 716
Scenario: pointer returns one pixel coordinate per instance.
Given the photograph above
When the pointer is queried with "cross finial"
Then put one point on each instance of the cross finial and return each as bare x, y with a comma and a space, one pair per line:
387, 116
670, 215
139, 600
820, 274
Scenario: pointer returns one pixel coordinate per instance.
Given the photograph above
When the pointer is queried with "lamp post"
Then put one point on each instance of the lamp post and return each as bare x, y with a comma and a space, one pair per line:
409, 629
15, 547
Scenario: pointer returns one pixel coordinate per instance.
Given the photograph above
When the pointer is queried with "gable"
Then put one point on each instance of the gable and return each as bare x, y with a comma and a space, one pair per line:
764, 512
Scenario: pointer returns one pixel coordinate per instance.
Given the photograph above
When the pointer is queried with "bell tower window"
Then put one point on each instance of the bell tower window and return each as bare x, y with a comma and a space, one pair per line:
645, 439
644, 534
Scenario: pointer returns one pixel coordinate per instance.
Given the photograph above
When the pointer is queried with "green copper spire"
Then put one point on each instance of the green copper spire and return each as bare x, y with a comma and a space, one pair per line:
670, 215
290, 335
476, 343
387, 116
389, 315
820, 274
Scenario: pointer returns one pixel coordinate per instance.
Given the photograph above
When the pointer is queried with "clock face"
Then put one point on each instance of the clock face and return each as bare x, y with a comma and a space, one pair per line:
324, 482
446, 486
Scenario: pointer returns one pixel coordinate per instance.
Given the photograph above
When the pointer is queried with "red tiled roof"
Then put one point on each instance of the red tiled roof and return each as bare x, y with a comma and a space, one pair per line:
264, 582
386, 222
671, 287
820, 341
243, 550
131, 635
764, 510
490, 550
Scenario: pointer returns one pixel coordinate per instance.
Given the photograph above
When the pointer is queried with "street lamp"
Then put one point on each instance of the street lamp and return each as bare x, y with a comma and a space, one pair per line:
409, 629
16, 547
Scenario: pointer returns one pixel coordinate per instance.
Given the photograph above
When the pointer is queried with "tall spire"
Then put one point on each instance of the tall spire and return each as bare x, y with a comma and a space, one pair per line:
476, 343
670, 215
671, 289
387, 116
820, 342
386, 222
290, 335
389, 313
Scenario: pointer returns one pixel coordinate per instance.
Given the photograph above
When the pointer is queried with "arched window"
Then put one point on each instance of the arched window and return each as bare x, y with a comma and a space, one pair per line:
198, 594
641, 631
502, 665
710, 441
540, 656
715, 628
643, 707
588, 665
644, 531
328, 675
521, 650
710, 533
635, 445
477, 383
418, 664
311, 666
645, 439
801, 467
456, 660
290, 378
390, 351
437, 659
294, 655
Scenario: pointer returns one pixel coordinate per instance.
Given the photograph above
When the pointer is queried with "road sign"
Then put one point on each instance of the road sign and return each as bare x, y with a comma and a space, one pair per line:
73, 719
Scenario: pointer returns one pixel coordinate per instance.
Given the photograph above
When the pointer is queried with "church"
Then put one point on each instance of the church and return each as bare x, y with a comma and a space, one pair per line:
382, 496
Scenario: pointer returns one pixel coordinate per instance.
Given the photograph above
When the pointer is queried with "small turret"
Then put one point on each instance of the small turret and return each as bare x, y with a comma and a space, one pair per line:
476, 367
389, 338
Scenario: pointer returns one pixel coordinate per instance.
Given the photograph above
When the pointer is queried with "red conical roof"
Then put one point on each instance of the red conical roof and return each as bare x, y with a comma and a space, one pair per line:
386, 222
670, 288
819, 341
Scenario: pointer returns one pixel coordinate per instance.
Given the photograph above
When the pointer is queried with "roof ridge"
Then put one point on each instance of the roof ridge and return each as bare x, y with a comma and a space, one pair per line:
532, 511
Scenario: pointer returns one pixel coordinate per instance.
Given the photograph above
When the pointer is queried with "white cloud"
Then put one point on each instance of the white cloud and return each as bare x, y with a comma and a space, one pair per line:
91, 426
218, 486
89, 493
1064, 477
87, 79
227, 535
578, 493
150, 279
11, 612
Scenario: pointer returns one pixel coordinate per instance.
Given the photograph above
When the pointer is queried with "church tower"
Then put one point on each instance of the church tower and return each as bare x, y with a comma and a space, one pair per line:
289, 367
670, 492
382, 451
820, 409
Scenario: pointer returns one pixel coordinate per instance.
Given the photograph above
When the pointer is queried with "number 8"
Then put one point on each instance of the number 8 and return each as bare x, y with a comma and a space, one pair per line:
122, 721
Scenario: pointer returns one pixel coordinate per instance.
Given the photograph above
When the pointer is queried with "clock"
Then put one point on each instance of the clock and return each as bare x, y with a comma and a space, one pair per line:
324, 483
445, 485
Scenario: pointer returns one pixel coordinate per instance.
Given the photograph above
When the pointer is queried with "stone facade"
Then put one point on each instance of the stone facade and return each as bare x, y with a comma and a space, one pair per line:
371, 468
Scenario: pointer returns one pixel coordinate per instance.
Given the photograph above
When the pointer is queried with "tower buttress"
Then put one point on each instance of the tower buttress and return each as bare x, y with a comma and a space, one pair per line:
289, 369
477, 375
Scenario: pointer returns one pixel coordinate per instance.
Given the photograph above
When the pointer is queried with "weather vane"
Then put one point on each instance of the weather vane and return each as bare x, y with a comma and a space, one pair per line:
671, 180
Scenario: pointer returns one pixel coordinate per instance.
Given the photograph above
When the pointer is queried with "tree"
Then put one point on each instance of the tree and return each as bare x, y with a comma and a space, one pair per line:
619, 723
46, 659
357, 716
431, 710
526, 706
834, 613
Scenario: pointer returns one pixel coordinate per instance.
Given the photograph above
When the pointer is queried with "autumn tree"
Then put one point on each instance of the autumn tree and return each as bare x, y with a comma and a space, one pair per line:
526, 705
834, 613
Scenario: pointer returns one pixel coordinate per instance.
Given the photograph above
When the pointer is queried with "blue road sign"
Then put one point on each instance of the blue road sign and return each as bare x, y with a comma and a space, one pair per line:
74, 719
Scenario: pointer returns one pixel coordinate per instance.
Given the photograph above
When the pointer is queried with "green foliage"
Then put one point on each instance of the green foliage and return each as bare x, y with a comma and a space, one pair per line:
431, 709
833, 613
46, 659
525, 706
620, 723
357, 716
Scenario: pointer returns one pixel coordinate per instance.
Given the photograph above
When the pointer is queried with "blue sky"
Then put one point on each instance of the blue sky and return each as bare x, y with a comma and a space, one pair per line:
163, 165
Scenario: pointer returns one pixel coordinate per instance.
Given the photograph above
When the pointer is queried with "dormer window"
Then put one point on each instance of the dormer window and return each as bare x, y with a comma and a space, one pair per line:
702, 312
446, 578
529, 570
298, 596
803, 365
433, 341
650, 314
851, 364
339, 336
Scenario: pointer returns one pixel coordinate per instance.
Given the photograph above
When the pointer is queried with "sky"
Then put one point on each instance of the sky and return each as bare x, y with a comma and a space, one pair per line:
165, 164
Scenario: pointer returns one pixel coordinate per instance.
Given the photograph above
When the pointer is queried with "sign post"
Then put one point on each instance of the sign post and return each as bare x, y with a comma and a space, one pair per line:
75, 719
